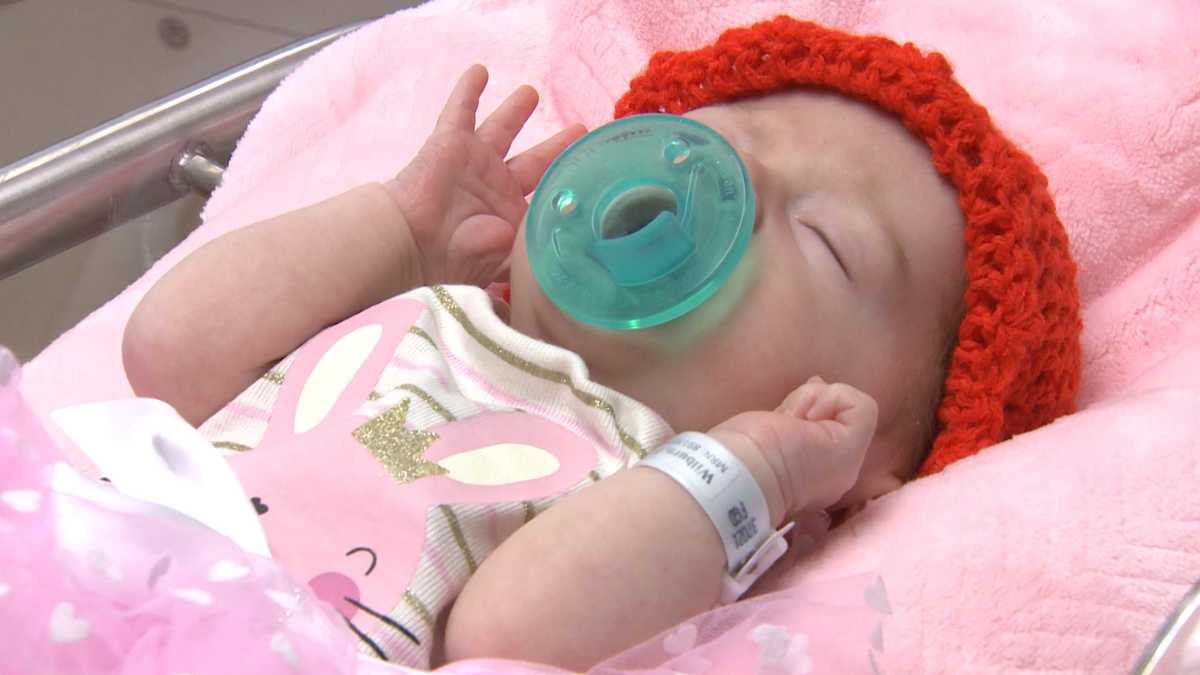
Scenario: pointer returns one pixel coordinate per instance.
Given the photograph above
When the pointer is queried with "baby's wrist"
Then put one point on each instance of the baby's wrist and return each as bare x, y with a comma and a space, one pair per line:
398, 193
778, 499
398, 228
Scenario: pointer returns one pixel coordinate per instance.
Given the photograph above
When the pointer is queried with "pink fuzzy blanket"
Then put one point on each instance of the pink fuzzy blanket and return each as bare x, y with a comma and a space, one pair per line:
1061, 550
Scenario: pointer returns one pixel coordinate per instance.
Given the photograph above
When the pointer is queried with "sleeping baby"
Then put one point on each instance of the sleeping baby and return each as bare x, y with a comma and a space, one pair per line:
460, 472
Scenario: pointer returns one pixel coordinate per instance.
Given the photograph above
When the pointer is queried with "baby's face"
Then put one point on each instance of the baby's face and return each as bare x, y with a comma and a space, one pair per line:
854, 273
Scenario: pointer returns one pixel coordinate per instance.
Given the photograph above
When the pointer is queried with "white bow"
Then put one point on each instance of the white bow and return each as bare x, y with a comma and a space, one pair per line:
150, 453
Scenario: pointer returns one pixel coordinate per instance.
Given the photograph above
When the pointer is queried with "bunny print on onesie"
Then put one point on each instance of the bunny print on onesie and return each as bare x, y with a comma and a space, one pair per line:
392, 452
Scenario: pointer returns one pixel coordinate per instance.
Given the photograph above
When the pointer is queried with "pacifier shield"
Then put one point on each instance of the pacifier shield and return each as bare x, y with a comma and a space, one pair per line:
640, 221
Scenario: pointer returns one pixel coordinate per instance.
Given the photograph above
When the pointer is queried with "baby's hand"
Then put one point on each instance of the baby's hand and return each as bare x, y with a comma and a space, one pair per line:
461, 200
815, 442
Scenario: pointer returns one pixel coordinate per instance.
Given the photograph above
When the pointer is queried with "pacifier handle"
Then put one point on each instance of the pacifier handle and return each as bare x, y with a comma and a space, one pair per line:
653, 250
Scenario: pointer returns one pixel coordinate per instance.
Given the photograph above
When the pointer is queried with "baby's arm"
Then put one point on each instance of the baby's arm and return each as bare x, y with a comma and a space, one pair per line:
217, 320
635, 554
221, 317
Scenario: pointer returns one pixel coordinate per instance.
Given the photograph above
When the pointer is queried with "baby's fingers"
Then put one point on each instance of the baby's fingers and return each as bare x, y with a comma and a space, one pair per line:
503, 125
840, 402
802, 398
459, 111
527, 168
846, 413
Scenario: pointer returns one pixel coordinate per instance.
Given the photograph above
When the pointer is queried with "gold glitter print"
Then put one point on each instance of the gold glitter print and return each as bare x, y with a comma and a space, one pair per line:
419, 332
400, 449
429, 401
459, 538
419, 607
534, 369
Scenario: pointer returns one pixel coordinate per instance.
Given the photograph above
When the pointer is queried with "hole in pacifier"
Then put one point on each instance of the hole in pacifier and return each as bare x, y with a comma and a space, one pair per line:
635, 209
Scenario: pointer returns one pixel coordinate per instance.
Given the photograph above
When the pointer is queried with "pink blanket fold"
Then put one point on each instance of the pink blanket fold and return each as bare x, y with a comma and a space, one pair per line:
1060, 550
1067, 561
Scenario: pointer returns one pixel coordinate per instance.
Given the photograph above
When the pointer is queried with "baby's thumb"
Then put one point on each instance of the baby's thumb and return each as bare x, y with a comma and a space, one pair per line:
479, 249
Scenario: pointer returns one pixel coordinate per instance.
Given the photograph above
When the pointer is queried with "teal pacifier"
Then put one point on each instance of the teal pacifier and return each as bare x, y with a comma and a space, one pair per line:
640, 221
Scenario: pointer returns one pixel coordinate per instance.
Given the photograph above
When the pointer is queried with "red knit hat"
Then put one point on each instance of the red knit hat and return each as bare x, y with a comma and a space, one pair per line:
1017, 360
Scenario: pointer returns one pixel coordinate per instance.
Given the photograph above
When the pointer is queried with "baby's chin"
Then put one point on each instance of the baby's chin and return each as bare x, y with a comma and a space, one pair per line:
535, 315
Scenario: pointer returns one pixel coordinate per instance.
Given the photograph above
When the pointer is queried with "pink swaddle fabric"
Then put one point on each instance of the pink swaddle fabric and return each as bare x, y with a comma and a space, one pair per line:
1060, 550
92, 581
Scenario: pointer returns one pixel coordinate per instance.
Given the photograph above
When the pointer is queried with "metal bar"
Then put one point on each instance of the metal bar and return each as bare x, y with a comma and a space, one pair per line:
193, 169
89, 184
1175, 650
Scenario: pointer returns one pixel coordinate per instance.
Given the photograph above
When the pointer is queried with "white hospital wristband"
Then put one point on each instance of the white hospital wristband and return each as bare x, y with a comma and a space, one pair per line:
733, 500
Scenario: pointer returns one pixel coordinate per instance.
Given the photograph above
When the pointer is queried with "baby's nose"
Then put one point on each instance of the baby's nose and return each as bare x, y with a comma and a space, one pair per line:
338, 590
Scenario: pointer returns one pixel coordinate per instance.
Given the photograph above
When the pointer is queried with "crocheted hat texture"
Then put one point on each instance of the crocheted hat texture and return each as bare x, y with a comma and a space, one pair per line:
1017, 360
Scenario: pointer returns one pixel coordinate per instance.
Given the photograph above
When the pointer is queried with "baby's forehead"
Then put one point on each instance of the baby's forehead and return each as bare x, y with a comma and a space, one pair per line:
825, 141
869, 146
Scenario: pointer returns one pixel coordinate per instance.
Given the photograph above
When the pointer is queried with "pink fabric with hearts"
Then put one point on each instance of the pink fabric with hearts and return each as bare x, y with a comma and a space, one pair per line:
92, 581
